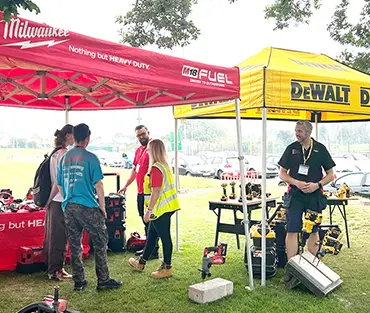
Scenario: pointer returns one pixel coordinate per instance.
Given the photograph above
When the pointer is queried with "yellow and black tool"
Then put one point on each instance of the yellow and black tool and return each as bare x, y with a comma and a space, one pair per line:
331, 243
233, 194
224, 196
311, 219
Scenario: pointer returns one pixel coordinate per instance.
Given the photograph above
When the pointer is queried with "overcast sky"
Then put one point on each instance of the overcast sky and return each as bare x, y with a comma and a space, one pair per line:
230, 34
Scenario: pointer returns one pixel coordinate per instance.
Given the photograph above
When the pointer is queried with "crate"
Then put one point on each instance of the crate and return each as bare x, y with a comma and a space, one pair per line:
30, 260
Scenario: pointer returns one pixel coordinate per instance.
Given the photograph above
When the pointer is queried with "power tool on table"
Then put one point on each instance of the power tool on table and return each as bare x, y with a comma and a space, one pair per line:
311, 219
50, 304
212, 255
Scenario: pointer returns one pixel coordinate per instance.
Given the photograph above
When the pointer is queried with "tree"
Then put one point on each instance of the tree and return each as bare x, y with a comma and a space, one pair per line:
292, 12
285, 137
10, 7
164, 23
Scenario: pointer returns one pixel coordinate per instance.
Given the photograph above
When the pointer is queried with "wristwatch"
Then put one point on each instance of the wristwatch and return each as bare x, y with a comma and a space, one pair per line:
320, 185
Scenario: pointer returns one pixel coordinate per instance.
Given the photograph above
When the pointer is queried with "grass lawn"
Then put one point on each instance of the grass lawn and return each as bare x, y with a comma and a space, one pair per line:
141, 293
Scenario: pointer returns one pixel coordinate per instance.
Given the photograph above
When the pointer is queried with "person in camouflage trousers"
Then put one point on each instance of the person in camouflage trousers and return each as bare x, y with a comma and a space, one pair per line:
77, 218
79, 176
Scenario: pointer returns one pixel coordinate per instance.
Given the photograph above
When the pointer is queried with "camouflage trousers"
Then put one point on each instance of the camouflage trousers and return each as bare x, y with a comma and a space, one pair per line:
77, 218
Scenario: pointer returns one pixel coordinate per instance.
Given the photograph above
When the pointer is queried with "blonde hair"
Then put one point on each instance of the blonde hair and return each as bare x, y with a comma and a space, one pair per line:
158, 153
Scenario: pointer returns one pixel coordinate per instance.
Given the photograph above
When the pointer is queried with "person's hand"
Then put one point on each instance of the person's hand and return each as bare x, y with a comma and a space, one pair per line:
310, 187
300, 184
103, 211
123, 190
147, 216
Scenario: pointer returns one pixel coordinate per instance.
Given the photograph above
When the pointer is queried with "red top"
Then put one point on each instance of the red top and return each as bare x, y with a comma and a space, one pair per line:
141, 162
156, 177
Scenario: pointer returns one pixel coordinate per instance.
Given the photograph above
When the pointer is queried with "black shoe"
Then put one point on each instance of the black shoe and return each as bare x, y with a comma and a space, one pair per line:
80, 285
139, 252
109, 284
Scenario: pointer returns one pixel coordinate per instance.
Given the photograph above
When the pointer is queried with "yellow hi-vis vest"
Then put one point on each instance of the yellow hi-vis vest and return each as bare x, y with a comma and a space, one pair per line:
167, 200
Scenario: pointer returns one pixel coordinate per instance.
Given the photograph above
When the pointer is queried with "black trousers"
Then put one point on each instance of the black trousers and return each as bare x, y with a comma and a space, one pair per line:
55, 240
140, 209
160, 228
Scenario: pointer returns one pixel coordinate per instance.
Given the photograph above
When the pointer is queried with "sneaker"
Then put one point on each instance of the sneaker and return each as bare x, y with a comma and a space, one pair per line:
163, 271
109, 284
60, 275
136, 265
80, 285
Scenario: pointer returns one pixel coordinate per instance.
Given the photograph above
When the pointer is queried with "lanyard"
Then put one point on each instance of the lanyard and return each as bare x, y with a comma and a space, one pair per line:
309, 153
141, 155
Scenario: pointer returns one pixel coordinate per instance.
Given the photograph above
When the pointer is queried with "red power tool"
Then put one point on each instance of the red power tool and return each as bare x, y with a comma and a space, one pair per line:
212, 255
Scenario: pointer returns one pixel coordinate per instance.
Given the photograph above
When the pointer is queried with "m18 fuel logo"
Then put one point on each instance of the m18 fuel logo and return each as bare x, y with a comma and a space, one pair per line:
322, 92
206, 77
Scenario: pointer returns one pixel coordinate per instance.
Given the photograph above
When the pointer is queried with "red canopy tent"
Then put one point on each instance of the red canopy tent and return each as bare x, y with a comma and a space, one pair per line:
50, 68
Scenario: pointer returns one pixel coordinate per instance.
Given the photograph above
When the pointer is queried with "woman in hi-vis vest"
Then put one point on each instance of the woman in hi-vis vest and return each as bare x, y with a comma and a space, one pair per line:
160, 203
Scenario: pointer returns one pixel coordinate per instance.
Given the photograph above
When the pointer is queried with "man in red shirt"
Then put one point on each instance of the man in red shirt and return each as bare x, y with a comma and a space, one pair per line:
138, 172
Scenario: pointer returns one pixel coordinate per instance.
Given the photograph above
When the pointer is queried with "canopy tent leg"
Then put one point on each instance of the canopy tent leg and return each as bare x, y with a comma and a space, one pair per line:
243, 195
66, 109
264, 156
316, 127
177, 185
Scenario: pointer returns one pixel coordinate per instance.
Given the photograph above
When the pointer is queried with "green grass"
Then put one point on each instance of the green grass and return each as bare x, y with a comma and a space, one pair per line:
141, 293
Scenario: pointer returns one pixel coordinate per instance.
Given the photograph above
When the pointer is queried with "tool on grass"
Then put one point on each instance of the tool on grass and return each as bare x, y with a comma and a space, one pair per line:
311, 219
212, 255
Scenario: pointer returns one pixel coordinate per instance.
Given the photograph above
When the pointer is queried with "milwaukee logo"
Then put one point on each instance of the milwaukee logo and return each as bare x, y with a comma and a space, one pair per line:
17, 29
206, 77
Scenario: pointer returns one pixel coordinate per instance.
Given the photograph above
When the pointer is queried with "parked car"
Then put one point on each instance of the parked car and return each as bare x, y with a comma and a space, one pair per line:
193, 166
274, 159
359, 182
230, 165
111, 159
358, 159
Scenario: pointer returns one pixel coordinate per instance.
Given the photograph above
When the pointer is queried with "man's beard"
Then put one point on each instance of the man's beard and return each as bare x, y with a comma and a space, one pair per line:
144, 142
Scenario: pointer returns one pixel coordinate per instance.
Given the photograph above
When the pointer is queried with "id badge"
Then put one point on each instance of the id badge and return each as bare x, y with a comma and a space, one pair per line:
137, 168
303, 169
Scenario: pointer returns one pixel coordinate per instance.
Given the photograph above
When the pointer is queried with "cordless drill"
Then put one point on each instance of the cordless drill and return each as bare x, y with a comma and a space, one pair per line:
212, 255
311, 219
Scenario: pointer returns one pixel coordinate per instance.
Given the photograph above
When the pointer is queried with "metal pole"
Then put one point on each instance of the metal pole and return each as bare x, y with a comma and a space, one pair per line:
66, 108
177, 185
264, 156
243, 195
316, 126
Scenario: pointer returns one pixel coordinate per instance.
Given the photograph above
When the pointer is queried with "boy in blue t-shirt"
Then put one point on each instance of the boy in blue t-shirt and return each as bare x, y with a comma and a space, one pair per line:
79, 174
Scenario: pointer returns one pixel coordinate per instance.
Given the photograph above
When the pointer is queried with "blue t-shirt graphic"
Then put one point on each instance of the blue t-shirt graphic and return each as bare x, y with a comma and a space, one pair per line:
78, 172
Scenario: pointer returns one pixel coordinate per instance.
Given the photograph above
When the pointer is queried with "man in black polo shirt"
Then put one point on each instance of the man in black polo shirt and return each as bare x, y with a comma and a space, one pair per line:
301, 166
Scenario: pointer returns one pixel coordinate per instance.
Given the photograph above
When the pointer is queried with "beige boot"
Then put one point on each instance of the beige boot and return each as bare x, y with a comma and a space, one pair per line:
162, 272
136, 265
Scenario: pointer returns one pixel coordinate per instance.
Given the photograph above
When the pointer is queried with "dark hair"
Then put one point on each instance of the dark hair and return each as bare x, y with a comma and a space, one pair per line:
60, 135
140, 127
81, 132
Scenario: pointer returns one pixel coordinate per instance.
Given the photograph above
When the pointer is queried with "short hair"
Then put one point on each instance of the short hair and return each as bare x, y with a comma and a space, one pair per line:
140, 127
81, 132
306, 125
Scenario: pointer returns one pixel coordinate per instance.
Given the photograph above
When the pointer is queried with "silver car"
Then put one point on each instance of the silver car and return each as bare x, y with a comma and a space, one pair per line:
359, 182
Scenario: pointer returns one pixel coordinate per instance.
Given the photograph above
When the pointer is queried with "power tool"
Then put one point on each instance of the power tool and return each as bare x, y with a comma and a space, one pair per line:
212, 255
331, 243
224, 195
50, 304
311, 219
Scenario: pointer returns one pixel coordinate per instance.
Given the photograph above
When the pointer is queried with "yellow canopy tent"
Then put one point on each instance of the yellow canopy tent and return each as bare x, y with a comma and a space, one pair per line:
289, 85
293, 85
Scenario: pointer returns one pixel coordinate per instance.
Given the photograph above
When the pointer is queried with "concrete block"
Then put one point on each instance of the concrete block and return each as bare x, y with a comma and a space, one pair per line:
210, 290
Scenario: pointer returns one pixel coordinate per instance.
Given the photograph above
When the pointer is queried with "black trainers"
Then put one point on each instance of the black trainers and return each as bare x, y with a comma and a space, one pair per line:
109, 284
79, 285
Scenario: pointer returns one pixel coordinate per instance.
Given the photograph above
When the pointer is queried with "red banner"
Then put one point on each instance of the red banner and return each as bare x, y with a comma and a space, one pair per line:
16, 230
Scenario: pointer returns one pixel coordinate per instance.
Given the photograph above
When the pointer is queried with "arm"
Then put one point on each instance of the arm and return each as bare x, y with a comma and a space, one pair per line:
60, 190
290, 180
53, 193
100, 191
152, 200
129, 180
328, 177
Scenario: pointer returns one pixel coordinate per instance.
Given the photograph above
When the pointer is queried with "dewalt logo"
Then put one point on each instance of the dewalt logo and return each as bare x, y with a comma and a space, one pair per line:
321, 92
